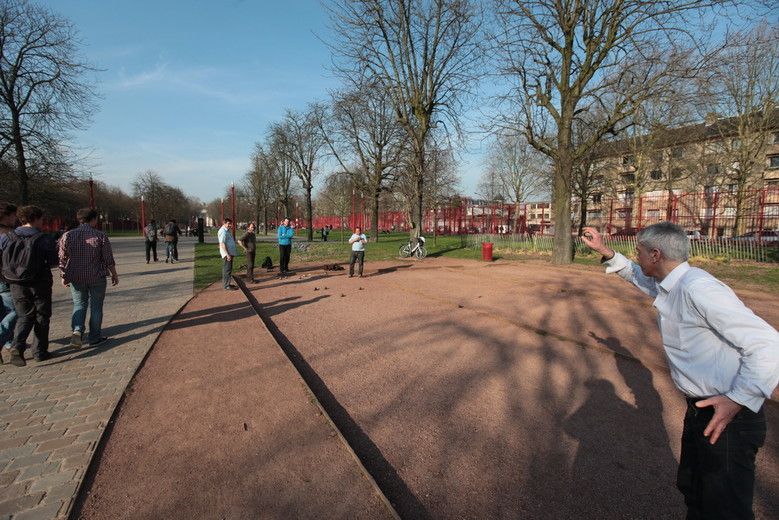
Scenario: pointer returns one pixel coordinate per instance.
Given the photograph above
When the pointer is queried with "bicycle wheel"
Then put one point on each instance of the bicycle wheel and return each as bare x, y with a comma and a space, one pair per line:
404, 251
420, 252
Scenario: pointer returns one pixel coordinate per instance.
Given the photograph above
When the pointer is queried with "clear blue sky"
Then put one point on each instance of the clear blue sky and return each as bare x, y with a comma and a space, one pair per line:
188, 87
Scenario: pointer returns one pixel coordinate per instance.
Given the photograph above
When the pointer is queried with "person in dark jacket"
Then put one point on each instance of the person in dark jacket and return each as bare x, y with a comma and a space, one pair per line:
32, 299
150, 233
172, 232
248, 242
7, 224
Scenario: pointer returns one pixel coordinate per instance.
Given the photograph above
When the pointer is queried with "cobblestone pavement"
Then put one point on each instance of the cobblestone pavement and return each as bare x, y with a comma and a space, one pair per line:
52, 414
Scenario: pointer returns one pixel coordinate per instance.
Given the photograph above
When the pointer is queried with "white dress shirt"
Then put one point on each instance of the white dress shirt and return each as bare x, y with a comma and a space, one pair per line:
715, 345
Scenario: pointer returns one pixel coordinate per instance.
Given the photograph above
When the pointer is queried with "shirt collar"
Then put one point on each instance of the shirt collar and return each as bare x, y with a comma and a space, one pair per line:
673, 277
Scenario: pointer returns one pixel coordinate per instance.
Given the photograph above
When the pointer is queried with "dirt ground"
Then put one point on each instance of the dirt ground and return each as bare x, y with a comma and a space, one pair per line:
469, 390
219, 425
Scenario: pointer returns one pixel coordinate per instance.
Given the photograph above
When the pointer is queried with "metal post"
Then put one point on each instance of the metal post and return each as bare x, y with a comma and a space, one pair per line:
232, 197
91, 193
143, 215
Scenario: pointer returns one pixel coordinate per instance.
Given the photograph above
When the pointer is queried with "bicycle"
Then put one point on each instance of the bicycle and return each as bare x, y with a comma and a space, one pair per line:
418, 250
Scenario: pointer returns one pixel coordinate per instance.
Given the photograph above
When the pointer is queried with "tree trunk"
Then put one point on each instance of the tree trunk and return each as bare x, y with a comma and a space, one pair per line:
582, 215
309, 215
265, 221
739, 227
375, 216
561, 200
21, 163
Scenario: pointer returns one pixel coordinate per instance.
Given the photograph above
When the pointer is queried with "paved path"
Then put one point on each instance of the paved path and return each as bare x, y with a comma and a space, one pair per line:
53, 414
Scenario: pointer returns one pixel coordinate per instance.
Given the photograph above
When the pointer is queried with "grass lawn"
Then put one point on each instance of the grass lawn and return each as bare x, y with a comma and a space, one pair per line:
208, 264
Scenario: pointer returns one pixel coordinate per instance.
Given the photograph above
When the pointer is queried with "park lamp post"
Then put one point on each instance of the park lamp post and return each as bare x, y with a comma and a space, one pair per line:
143, 215
232, 197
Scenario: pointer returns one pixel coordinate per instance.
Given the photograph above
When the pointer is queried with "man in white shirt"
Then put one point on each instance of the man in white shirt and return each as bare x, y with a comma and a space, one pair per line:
358, 241
722, 356
227, 250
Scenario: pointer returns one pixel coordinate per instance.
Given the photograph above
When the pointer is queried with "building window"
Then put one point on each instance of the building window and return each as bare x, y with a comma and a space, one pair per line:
773, 161
710, 189
597, 197
776, 137
628, 160
656, 175
676, 173
712, 169
677, 152
735, 144
628, 177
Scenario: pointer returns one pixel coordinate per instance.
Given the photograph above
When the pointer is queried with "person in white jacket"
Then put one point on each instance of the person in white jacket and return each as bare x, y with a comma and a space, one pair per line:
722, 357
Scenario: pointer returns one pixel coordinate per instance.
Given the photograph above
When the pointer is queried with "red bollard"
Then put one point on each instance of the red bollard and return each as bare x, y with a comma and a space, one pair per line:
486, 251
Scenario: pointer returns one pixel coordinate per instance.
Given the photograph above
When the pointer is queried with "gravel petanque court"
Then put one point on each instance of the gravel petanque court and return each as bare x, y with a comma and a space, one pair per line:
468, 390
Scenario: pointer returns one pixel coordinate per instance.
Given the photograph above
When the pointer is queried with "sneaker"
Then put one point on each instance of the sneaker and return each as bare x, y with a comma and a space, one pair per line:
43, 356
147, 262
98, 342
231, 288
166, 260
75, 339
17, 359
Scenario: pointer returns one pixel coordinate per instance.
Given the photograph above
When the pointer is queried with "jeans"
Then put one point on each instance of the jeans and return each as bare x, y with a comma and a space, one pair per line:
89, 295
358, 256
284, 251
9, 319
151, 247
33, 307
227, 271
170, 250
717, 481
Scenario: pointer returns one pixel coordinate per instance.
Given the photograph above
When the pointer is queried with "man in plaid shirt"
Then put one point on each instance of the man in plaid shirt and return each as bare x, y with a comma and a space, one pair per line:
85, 259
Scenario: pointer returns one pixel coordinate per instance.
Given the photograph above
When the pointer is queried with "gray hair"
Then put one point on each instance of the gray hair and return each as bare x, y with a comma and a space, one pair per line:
669, 239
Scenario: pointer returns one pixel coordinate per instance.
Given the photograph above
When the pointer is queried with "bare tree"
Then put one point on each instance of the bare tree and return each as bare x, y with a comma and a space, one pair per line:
44, 92
260, 184
442, 181
423, 53
283, 171
336, 196
362, 131
303, 144
744, 87
518, 169
567, 57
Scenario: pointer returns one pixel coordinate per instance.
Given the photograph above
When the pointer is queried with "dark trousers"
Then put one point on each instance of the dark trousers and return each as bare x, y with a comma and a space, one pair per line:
176, 250
284, 252
151, 247
250, 264
227, 272
359, 256
717, 481
33, 310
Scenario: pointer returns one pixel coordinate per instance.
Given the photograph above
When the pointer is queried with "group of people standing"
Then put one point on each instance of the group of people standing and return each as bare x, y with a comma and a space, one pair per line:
170, 233
284, 235
84, 258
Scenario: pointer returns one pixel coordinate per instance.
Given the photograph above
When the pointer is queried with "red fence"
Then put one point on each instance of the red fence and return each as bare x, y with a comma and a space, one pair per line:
712, 213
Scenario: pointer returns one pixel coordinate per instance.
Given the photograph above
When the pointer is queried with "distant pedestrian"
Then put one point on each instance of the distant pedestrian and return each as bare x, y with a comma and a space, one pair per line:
171, 232
7, 224
85, 260
358, 241
248, 242
28, 256
150, 232
285, 234
326, 233
227, 251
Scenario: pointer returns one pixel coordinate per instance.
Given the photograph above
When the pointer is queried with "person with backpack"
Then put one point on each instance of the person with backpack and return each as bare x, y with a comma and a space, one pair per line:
28, 255
150, 231
85, 259
7, 224
171, 233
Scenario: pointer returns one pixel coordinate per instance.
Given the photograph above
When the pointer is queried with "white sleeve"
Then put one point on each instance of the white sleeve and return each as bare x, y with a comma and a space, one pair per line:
631, 272
756, 340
